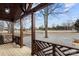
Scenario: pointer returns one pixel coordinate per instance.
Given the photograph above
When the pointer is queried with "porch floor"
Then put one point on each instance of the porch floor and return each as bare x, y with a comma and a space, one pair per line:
12, 49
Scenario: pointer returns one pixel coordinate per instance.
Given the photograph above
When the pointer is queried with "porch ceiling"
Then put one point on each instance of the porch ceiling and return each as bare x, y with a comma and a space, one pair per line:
16, 10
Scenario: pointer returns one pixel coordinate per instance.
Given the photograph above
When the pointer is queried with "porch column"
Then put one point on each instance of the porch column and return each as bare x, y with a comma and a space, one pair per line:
21, 34
32, 32
12, 31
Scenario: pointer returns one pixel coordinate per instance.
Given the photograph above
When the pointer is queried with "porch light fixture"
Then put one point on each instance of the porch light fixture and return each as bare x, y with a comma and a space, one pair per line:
7, 10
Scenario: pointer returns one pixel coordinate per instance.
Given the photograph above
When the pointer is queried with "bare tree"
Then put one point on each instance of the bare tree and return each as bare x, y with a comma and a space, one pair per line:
1, 26
9, 26
50, 10
26, 22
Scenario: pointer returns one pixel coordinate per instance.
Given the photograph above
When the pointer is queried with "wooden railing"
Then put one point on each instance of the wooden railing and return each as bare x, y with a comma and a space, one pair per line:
41, 48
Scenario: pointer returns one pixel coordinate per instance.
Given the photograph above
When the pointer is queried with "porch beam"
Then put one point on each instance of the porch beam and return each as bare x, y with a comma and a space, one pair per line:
37, 8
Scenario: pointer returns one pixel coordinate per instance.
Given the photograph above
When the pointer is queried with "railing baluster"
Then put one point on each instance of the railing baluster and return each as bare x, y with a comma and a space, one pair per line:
54, 50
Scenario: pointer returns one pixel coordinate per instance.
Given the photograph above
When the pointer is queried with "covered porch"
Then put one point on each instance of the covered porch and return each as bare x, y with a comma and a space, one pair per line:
38, 46
12, 13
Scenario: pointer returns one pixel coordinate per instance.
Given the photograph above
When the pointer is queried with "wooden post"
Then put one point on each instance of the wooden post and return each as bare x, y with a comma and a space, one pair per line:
21, 34
32, 32
12, 32
54, 50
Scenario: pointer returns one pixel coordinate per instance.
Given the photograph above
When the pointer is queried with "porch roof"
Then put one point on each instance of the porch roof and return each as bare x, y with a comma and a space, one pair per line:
18, 10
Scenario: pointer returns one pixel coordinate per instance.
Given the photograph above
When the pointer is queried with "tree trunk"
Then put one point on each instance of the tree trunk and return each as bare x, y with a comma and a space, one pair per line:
46, 25
9, 27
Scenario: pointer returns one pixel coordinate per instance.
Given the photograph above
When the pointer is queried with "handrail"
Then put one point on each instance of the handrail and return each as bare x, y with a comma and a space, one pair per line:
59, 45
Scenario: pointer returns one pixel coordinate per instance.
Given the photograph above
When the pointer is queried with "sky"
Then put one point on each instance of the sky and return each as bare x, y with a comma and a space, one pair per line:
72, 14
